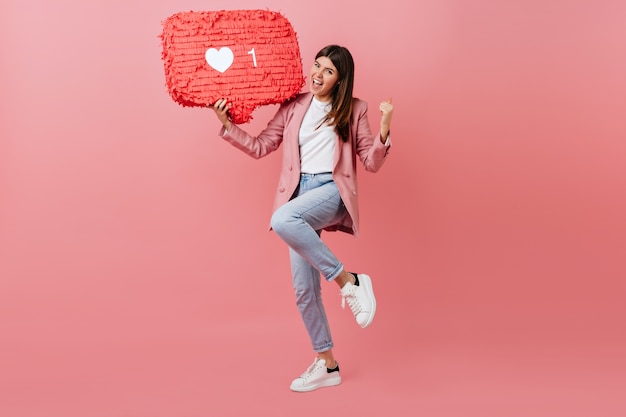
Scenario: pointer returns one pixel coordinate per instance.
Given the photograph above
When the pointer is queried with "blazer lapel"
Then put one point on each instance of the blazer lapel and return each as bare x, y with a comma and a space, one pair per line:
299, 110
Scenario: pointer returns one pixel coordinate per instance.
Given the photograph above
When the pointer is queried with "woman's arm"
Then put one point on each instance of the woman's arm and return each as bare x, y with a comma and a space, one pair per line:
255, 146
221, 108
386, 111
372, 150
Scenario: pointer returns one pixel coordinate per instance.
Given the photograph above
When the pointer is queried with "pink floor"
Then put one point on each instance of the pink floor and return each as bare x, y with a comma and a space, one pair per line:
242, 367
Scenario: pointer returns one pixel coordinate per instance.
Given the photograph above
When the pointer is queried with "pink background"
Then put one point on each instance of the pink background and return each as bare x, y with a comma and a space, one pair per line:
137, 277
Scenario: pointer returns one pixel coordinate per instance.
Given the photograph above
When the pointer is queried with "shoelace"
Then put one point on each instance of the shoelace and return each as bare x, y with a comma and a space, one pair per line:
310, 370
353, 301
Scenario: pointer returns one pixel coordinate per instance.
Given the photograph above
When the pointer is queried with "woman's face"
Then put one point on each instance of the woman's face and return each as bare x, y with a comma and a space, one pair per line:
324, 77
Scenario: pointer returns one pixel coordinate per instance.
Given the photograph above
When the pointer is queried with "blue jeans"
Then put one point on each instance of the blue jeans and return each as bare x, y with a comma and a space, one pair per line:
315, 205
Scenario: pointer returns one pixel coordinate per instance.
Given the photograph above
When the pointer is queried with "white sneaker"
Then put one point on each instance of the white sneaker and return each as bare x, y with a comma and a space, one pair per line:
316, 376
361, 300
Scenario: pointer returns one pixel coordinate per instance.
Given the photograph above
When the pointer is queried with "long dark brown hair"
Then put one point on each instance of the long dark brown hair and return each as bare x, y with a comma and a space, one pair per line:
341, 110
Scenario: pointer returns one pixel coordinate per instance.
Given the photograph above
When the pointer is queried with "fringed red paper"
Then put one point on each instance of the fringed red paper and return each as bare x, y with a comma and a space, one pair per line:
250, 57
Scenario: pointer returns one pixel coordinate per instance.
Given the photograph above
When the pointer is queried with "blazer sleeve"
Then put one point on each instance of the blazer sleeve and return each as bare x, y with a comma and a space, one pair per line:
258, 146
371, 151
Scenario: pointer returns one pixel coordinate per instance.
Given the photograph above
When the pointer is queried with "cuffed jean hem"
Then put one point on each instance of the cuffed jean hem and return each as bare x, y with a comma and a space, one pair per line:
335, 273
326, 347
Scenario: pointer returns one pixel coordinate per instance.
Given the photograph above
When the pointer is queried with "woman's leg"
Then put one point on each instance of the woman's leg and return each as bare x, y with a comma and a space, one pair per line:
317, 205
299, 223
306, 283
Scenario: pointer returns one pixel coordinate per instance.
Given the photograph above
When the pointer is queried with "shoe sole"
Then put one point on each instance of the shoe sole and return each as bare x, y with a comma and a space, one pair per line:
366, 282
331, 382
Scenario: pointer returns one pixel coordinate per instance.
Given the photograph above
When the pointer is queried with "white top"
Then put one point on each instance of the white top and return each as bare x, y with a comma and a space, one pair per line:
317, 143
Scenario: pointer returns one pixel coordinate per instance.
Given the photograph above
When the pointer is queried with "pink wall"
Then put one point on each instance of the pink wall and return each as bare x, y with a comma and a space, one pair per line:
498, 217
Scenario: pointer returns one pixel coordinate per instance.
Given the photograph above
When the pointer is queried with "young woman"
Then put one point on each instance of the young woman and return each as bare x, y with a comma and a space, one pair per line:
322, 132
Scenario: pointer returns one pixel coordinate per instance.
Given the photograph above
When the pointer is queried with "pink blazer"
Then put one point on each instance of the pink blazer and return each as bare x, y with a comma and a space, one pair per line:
285, 127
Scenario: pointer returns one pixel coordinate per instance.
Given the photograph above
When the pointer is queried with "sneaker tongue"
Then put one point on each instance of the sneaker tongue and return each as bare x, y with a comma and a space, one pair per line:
346, 288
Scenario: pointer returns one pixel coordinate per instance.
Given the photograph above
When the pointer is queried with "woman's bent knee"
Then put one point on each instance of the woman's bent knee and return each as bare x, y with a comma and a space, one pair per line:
277, 222
281, 221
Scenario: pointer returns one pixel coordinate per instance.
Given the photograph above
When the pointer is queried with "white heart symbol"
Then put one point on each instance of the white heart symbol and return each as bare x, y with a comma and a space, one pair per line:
220, 60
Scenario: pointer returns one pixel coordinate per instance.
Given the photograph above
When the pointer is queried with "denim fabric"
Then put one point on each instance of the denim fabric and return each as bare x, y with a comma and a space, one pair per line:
299, 222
